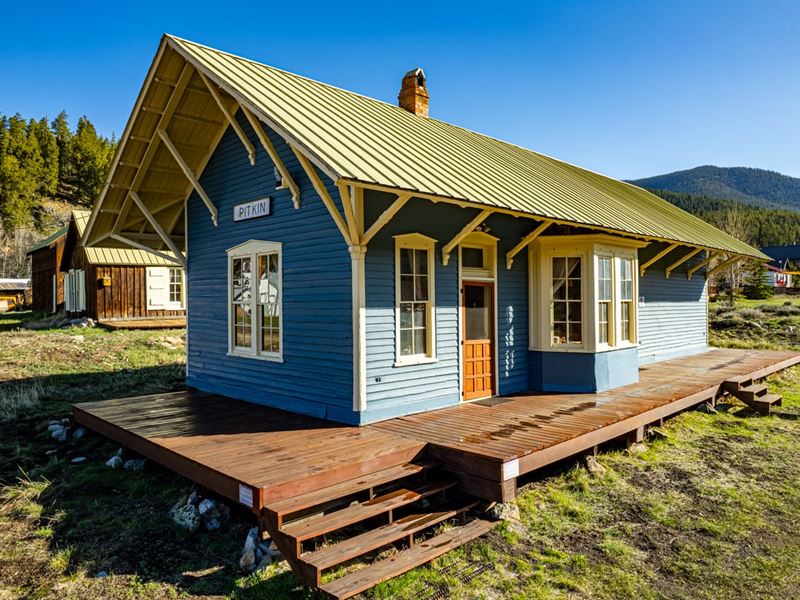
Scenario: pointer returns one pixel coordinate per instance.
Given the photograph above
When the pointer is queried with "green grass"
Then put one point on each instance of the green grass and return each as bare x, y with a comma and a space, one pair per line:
712, 511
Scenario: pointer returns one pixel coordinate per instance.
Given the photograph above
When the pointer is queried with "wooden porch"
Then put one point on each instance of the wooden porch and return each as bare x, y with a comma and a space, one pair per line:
144, 323
306, 478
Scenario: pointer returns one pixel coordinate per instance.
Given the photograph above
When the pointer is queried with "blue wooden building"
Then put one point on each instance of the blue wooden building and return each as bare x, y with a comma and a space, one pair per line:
354, 260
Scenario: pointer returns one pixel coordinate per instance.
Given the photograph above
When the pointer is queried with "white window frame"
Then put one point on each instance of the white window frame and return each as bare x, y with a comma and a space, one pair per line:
252, 249
589, 248
171, 304
416, 241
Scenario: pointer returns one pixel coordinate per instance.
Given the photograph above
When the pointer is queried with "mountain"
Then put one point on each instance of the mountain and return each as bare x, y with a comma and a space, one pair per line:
757, 225
756, 187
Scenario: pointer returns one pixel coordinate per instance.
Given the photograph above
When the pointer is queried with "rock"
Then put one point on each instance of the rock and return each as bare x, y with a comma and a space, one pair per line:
101, 574
90, 322
78, 460
657, 434
503, 511
708, 408
207, 507
592, 465
135, 464
637, 448
51, 452
248, 560
77, 338
265, 561
274, 552
212, 524
60, 433
78, 433
790, 329
193, 499
115, 462
187, 517
51, 424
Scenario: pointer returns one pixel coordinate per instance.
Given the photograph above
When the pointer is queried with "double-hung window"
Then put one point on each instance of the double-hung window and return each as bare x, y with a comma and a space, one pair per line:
567, 300
414, 298
176, 286
255, 300
626, 299
605, 333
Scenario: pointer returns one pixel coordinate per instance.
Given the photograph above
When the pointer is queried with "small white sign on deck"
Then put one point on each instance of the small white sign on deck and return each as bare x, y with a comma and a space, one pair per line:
251, 210
246, 495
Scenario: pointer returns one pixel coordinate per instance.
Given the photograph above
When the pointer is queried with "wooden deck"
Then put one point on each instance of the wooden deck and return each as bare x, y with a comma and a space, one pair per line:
154, 323
494, 441
242, 450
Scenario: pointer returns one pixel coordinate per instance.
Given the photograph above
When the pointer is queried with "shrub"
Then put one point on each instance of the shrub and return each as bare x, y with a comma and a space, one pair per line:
788, 310
750, 314
15, 398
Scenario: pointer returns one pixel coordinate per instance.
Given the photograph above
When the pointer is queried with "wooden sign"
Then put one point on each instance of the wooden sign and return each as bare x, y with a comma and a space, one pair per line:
251, 210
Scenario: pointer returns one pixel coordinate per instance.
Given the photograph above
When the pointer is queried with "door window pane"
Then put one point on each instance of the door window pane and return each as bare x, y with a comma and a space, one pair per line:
477, 305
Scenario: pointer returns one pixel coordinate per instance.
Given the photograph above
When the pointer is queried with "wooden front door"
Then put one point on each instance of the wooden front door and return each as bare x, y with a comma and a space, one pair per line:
477, 316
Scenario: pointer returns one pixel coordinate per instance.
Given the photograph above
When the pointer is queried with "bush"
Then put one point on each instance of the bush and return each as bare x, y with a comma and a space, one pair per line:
15, 398
788, 310
750, 314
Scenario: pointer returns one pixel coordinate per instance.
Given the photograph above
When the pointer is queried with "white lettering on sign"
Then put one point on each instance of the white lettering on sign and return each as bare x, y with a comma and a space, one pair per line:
246, 495
251, 210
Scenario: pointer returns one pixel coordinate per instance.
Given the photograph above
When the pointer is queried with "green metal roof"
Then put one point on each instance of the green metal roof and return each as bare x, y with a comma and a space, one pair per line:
48, 240
358, 139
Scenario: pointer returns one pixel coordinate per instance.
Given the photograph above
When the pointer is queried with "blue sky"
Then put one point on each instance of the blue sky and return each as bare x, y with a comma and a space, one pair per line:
629, 89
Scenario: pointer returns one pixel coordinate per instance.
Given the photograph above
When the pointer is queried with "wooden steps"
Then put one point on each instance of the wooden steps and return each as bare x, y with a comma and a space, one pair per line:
321, 524
400, 530
424, 552
367, 514
295, 505
755, 395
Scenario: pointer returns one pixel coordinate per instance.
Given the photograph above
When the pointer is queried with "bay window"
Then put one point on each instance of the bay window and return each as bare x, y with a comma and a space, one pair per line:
583, 290
254, 307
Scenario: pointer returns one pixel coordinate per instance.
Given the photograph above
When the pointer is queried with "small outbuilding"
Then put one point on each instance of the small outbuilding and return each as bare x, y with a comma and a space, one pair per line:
105, 284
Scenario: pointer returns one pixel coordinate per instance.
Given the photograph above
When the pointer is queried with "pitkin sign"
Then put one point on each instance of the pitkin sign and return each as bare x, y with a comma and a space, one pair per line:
251, 210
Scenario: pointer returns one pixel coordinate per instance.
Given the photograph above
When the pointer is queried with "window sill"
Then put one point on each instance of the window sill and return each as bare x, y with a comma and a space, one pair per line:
267, 357
583, 349
411, 361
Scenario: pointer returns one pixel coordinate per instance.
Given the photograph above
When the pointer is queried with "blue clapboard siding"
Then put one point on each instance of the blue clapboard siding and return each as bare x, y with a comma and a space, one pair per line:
583, 372
315, 376
674, 318
392, 390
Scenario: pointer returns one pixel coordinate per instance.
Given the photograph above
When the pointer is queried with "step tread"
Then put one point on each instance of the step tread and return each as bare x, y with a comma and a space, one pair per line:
349, 487
325, 523
336, 554
424, 552
755, 389
768, 399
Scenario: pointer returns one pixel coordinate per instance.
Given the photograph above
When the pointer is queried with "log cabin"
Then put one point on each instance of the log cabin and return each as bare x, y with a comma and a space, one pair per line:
109, 285
374, 293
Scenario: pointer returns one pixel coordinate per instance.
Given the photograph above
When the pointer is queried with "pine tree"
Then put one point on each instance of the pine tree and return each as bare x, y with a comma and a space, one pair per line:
756, 286
91, 154
20, 174
63, 136
48, 147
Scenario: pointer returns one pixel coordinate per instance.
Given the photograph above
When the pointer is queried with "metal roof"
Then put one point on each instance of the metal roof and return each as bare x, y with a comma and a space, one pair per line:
116, 256
353, 138
48, 240
369, 141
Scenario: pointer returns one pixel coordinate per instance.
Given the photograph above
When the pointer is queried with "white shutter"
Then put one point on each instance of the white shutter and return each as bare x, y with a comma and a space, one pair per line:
80, 289
157, 287
68, 291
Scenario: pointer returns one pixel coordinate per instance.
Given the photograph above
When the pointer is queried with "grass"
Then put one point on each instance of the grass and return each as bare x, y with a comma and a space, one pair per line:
712, 511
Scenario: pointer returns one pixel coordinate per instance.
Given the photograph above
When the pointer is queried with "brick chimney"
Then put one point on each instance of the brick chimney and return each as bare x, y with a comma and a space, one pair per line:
413, 93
